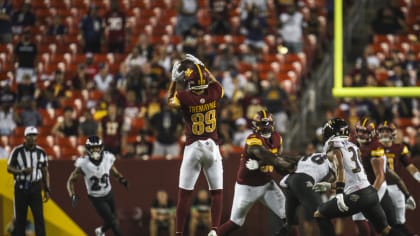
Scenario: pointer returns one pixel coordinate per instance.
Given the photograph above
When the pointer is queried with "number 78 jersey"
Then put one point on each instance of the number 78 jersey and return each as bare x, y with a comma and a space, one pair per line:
355, 175
96, 176
200, 112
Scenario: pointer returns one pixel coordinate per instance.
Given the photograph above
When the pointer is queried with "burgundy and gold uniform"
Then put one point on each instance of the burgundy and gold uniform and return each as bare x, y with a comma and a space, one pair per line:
257, 184
397, 156
200, 112
264, 175
199, 103
368, 151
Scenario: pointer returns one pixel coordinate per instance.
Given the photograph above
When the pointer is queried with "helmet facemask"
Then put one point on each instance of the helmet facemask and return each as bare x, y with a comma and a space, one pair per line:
385, 135
94, 148
365, 130
263, 124
386, 132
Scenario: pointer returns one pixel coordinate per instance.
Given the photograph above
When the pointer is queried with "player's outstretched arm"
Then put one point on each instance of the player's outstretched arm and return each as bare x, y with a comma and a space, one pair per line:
119, 176
392, 175
72, 179
265, 156
414, 171
378, 169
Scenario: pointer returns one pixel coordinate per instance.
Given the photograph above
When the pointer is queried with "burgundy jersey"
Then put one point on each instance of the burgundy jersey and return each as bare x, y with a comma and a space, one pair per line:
368, 151
200, 113
398, 157
264, 174
115, 24
112, 129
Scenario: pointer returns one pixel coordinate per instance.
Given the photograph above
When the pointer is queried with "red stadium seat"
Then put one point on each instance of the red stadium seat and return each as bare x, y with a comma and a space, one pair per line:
69, 153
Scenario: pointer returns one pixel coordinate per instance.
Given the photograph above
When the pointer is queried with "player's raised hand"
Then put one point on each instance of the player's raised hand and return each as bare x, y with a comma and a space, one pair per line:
176, 74
193, 59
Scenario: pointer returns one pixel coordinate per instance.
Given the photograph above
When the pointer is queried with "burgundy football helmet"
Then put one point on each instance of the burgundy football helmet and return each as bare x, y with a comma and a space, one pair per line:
263, 123
386, 131
196, 76
365, 130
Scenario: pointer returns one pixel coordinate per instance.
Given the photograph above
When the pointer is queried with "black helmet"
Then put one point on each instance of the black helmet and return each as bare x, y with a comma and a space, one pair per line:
335, 127
92, 143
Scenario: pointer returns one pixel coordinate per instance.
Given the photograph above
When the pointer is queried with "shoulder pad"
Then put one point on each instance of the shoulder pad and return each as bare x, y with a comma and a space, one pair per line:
378, 152
109, 156
253, 140
79, 162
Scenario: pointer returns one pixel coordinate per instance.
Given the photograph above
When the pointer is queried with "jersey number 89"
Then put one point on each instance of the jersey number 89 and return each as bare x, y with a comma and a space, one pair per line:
203, 122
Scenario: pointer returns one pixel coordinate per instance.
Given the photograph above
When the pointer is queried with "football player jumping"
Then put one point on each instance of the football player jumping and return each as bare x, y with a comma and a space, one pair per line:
353, 191
199, 103
96, 168
254, 180
398, 156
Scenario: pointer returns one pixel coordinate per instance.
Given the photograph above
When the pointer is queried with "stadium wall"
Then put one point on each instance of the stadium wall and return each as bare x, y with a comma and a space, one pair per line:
146, 177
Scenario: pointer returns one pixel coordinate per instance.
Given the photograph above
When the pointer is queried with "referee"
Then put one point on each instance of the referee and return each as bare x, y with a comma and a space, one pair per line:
29, 165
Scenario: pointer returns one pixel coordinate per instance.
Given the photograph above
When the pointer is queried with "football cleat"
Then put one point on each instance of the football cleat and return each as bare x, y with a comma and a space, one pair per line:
98, 231
212, 233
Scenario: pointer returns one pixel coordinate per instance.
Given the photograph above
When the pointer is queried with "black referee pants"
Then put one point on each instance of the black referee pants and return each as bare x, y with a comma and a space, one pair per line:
28, 196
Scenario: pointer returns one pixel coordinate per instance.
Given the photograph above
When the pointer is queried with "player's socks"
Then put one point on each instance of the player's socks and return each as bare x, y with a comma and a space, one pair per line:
227, 228
216, 207
363, 227
182, 208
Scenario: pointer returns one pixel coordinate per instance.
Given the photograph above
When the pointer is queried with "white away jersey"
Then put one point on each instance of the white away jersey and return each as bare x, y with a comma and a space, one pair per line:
316, 165
96, 176
355, 176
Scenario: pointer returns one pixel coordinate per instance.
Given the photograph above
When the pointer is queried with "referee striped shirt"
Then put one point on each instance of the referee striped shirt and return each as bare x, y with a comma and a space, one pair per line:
22, 158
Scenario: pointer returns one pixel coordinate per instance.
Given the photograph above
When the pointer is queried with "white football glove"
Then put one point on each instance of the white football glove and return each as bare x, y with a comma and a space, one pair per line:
322, 187
175, 73
193, 59
340, 203
252, 164
283, 181
417, 176
410, 203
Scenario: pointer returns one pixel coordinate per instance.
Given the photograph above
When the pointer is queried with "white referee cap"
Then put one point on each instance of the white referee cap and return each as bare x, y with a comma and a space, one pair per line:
30, 130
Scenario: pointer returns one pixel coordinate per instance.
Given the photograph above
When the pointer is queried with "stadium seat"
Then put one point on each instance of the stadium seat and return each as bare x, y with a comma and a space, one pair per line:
69, 153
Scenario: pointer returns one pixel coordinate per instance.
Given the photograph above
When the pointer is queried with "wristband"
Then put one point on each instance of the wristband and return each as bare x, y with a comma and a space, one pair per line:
339, 187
